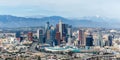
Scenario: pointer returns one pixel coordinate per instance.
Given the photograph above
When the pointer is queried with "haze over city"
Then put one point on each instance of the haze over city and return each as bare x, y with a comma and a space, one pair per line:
59, 30
65, 8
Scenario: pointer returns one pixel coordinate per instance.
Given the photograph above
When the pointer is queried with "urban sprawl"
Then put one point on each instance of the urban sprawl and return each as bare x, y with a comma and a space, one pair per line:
59, 42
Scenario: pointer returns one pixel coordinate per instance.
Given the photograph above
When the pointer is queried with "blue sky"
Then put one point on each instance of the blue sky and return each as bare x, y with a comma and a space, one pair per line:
65, 8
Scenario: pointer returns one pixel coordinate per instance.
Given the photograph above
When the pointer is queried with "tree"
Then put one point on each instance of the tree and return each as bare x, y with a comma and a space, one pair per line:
70, 53
8, 59
39, 58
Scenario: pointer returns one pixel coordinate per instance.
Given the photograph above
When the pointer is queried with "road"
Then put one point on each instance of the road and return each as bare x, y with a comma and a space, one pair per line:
32, 47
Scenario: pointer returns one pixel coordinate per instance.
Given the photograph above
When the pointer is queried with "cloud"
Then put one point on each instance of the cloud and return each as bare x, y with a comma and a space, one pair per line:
70, 8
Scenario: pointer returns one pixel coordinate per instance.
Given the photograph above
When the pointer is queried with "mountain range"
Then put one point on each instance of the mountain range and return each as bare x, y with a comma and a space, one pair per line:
14, 21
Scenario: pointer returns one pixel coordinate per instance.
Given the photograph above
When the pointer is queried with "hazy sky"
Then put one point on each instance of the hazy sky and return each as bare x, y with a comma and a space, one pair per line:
65, 8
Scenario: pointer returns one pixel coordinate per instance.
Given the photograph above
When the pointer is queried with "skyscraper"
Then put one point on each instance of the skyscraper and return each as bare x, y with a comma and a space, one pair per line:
80, 37
30, 36
40, 35
65, 32
57, 37
18, 34
89, 40
38, 30
100, 40
48, 35
85, 33
110, 37
60, 29
69, 35
51, 36
57, 27
47, 26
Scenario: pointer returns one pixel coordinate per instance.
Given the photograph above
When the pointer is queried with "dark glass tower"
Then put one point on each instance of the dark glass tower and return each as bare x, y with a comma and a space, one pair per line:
110, 40
89, 40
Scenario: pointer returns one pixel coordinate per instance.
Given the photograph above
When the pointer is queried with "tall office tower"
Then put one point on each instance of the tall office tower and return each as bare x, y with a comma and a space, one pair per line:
100, 41
18, 35
30, 36
69, 31
40, 35
60, 29
65, 32
38, 30
85, 33
48, 35
89, 40
64, 29
110, 37
22, 36
69, 35
57, 27
80, 37
51, 36
57, 37
47, 26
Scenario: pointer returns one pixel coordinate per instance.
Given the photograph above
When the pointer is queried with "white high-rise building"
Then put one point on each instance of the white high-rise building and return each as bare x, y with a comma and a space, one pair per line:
69, 36
60, 28
40, 35
38, 30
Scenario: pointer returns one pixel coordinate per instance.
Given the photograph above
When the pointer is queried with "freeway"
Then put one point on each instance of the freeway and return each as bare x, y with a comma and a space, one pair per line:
32, 47
99, 57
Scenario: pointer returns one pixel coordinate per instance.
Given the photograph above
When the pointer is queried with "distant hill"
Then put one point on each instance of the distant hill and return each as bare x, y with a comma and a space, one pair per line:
14, 21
